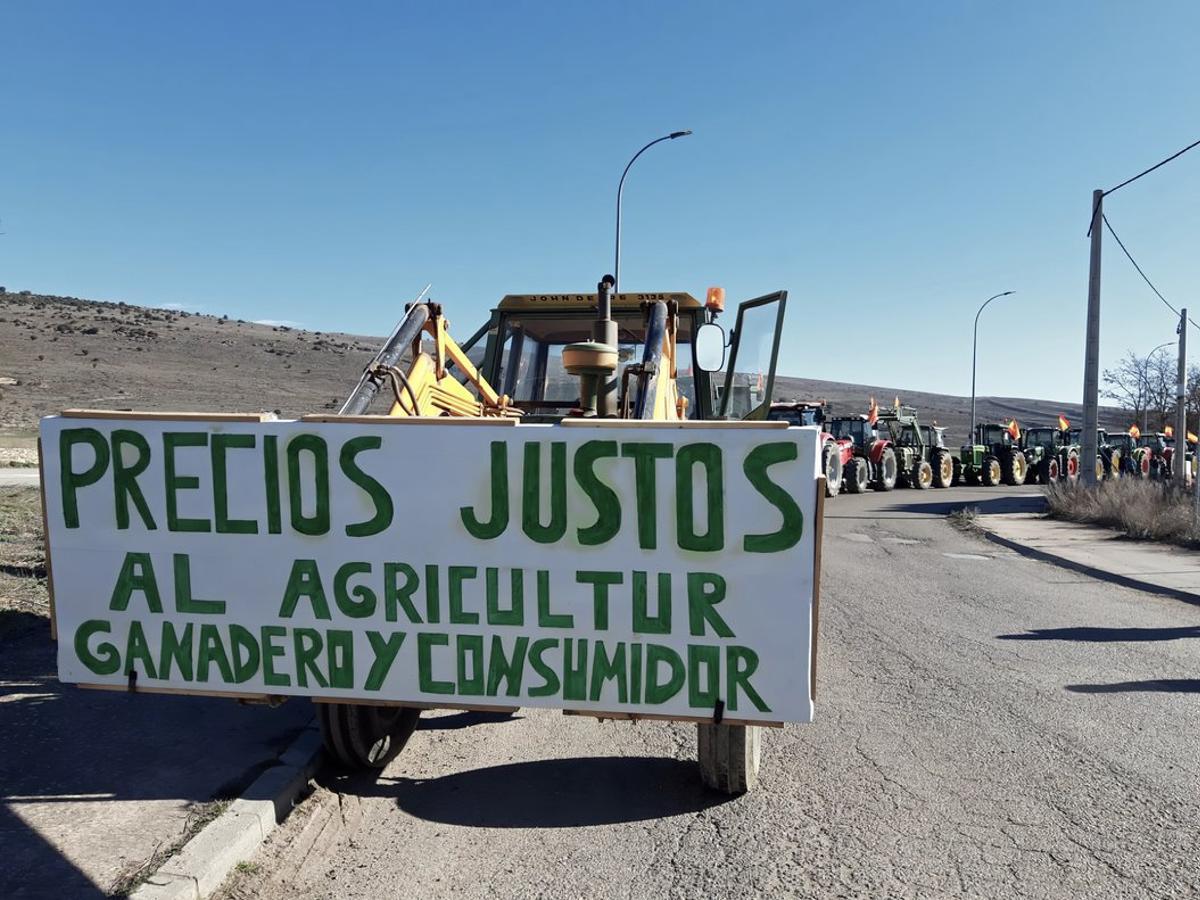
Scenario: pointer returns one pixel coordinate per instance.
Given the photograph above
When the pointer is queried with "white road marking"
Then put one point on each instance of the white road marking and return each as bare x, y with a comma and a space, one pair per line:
965, 556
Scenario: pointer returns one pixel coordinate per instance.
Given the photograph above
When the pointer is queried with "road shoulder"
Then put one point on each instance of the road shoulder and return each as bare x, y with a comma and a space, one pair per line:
1100, 553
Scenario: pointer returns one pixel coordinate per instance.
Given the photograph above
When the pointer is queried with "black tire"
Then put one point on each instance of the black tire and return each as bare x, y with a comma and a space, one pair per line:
729, 756
1053, 473
1013, 469
944, 473
958, 472
361, 737
921, 476
856, 478
831, 465
990, 471
888, 471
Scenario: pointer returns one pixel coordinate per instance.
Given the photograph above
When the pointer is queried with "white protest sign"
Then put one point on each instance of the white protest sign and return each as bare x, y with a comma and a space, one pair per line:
643, 570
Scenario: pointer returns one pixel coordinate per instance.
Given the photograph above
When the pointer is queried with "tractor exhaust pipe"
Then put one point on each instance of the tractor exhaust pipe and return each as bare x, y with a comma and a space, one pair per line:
605, 332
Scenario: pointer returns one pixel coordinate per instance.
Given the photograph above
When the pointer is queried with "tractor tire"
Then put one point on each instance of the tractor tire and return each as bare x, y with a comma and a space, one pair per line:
361, 737
1143, 465
921, 476
990, 471
1071, 469
831, 465
857, 477
1101, 469
1116, 465
957, 478
1013, 469
888, 471
1048, 471
729, 756
943, 469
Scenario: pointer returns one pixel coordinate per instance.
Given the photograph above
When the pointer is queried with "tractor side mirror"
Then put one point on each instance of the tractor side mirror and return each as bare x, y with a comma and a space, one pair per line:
710, 347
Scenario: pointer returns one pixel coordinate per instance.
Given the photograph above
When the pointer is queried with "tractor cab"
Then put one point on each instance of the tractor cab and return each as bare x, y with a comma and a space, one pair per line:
1049, 439
1156, 441
1122, 441
993, 436
935, 436
853, 428
800, 412
528, 335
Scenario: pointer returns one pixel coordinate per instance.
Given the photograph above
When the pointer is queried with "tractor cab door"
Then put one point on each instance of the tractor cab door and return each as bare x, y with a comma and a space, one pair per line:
753, 353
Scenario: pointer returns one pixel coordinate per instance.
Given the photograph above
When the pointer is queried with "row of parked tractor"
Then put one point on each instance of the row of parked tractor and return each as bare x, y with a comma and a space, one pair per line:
890, 447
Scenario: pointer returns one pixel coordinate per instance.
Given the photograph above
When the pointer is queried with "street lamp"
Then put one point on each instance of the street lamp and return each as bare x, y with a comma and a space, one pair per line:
1146, 384
974, 346
620, 190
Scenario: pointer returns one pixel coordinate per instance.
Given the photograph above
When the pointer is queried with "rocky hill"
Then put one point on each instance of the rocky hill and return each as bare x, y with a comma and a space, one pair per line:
58, 352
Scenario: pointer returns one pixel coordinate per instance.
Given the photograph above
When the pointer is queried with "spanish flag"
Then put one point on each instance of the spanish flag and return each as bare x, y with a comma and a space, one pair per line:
1135, 432
873, 412
1169, 431
1063, 423
1014, 430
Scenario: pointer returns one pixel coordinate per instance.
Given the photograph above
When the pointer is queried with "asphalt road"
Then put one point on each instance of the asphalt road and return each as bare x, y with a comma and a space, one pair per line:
987, 726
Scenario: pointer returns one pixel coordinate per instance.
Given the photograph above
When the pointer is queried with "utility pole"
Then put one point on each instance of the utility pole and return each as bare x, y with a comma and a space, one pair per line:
1091, 355
1180, 455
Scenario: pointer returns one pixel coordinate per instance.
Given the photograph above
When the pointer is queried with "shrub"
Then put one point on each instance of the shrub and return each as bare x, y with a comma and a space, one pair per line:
1146, 510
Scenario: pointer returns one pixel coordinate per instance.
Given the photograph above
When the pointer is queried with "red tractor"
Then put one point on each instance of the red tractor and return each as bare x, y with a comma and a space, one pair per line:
835, 452
874, 462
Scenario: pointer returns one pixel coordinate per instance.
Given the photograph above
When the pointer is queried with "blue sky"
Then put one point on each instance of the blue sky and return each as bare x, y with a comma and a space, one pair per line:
891, 165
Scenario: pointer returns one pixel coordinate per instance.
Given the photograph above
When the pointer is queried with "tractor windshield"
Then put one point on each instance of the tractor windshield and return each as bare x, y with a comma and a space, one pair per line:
1121, 441
993, 434
856, 430
1043, 437
796, 415
531, 367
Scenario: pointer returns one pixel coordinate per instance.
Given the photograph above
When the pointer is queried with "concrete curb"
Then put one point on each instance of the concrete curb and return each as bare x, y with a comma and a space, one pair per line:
1054, 559
206, 860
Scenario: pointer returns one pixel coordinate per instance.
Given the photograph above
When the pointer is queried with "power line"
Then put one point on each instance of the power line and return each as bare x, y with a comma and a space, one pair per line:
1152, 168
1157, 165
1145, 278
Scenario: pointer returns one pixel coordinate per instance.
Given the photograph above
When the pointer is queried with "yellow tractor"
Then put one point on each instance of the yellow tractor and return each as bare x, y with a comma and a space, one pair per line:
544, 357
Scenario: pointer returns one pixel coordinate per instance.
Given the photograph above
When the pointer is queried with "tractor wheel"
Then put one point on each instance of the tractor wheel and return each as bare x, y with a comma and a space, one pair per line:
887, 470
1101, 468
365, 737
1013, 468
921, 476
856, 477
1072, 466
989, 474
943, 469
957, 478
1115, 464
1049, 470
831, 465
1144, 465
728, 756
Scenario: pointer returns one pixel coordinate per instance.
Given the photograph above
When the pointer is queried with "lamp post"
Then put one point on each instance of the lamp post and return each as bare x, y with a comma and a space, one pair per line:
1146, 384
974, 347
621, 189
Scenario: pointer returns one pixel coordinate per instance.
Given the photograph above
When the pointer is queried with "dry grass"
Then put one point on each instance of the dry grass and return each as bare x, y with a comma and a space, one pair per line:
1145, 510
22, 552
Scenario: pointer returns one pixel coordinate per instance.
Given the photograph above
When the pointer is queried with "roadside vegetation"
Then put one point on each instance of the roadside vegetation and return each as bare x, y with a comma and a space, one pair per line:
1144, 510
22, 555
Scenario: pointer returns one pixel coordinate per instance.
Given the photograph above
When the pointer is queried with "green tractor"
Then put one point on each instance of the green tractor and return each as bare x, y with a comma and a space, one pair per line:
1045, 451
1108, 462
920, 464
994, 458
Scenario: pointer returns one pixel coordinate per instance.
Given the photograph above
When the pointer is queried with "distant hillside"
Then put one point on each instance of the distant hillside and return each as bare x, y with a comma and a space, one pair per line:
63, 352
